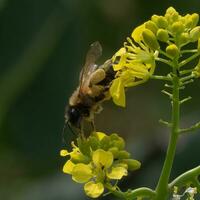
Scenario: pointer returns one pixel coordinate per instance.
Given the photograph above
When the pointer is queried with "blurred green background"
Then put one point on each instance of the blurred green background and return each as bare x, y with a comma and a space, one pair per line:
43, 46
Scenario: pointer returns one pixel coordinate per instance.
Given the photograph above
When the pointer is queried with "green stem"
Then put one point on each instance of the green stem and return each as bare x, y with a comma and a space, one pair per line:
184, 62
189, 51
190, 129
163, 78
141, 192
188, 177
164, 61
131, 195
162, 189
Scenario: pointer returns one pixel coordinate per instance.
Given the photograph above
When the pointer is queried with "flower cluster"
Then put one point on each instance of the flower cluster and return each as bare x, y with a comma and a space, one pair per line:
98, 161
135, 62
134, 65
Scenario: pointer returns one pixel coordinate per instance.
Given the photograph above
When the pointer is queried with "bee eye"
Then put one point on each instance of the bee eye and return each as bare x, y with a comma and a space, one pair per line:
74, 112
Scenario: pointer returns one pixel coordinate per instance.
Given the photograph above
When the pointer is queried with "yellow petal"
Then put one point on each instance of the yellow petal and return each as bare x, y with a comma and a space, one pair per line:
81, 173
68, 167
93, 189
120, 52
117, 173
102, 158
100, 135
117, 92
122, 60
137, 33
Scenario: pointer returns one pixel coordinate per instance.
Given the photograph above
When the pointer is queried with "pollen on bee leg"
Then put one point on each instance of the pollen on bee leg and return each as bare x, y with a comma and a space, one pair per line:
97, 76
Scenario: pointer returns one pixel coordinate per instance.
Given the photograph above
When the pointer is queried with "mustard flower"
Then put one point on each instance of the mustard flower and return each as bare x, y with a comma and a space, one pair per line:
134, 65
98, 160
135, 62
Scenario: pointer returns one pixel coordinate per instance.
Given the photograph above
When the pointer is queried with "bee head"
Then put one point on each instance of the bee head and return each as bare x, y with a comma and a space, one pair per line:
73, 116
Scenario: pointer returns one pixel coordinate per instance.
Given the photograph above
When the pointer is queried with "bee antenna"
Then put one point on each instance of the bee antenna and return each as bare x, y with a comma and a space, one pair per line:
63, 134
70, 128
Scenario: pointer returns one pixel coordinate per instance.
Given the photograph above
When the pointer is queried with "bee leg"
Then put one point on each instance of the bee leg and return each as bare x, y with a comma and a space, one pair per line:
93, 126
82, 130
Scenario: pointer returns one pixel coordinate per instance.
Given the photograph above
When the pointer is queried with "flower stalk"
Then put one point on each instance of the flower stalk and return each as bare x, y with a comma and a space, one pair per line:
162, 189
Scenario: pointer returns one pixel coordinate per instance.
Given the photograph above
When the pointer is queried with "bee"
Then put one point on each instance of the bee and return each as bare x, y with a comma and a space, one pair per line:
93, 89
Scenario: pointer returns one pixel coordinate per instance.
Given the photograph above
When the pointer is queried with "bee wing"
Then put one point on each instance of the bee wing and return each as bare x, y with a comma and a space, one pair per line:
92, 56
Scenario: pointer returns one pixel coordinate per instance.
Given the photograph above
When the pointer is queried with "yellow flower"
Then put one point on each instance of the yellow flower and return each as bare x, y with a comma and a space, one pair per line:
102, 158
134, 65
105, 161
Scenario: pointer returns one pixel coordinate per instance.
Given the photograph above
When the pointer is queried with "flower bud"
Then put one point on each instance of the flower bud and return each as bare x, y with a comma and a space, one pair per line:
114, 151
150, 39
132, 164
195, 34
195, 19
162, 35
172, 15
188, 22
172, 50
94, 143
123, 154
105, 143
84, 146
171, 10
160, 21
177, 27
117, 141
184, 38
151, 26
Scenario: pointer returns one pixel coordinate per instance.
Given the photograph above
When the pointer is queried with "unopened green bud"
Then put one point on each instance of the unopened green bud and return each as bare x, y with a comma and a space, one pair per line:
105, 143
114, 151
184, 38
175, 17
172, 50
117, 141
171, 10
195, 19
162, 35
172, 15
151, 26
160, 21
188, 22
195, 34
83, 146
177, 27
123, 155
132, 164
154, 18
94, 143
150, 39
